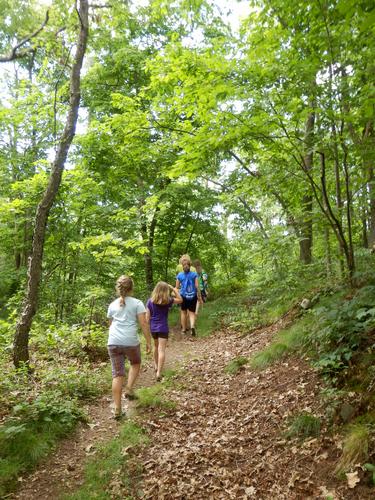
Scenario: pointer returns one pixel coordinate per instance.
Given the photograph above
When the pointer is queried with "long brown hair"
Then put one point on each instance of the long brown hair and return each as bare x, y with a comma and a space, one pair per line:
160, 294
124, 286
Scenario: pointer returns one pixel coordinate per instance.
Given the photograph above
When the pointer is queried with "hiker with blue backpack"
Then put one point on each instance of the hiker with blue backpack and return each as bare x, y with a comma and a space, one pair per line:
187, 284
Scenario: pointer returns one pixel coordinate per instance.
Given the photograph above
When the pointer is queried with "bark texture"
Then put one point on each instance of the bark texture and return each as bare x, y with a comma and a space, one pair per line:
21, 338
306, 229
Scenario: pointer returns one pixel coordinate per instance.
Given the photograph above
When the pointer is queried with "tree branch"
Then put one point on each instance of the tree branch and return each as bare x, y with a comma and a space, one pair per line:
17, 55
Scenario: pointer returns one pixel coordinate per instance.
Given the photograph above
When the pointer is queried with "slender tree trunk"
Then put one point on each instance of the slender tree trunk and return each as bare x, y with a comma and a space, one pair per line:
169, 248
365, 243
339, 203
190, 236
149, 236
371, 190
334, 221
328, 251
306, 229
21, 338
348, 207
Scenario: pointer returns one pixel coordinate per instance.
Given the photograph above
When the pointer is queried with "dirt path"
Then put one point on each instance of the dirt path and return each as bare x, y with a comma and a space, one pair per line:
62, 472
224, 440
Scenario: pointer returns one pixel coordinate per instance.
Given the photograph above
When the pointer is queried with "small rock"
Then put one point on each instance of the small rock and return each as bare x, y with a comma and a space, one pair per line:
346, 412
305, 303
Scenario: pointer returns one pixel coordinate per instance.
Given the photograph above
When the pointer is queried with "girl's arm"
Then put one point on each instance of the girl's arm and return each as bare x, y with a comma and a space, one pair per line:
145, 329
177, 299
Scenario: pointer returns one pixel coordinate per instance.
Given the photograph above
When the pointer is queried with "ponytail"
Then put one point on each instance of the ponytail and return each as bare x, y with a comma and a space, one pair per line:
124, 286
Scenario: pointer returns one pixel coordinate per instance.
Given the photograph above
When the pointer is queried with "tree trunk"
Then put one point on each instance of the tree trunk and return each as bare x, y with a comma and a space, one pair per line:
169, 249
21, 338
335, 222
306, 229
149, 236
328, 252
371, 189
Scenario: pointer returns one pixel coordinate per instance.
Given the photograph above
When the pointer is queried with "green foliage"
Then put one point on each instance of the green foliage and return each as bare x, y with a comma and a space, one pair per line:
152, 397
303, 426
67, 340
271, 354
355, 448
215, 313
39, 409
285, 342
81, 382
32, 431
110, 472
371, 468
235, 365
340, 329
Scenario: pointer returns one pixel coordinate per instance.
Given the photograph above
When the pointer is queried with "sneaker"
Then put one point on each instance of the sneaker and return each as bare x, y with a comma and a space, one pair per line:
118, 415
193, 334
183, 332
129, 394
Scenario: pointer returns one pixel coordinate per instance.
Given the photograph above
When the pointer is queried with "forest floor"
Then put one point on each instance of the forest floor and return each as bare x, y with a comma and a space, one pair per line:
224, 438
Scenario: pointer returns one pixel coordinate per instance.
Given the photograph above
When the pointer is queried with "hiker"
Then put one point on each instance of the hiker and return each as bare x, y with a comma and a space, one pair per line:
157, 309
203, 282
123, 341
179, 268
187, 283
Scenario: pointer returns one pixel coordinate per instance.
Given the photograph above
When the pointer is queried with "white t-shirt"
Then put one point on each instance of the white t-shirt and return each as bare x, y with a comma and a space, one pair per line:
123, 329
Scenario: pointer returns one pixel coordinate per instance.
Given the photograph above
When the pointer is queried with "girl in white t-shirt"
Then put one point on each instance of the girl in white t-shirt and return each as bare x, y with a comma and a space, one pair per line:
125, 313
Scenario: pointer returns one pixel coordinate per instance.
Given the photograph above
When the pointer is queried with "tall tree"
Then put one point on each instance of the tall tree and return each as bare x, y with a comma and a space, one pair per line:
21, 338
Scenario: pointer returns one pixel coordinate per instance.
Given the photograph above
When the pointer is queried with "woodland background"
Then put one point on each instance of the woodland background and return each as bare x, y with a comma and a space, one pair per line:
251, 149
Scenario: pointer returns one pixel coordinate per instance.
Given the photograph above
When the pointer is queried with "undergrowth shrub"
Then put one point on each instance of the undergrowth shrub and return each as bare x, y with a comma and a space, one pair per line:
341, 328
285, 342
81, 382
303, 426
67, 340
31, 431
152, 397
235, 365
355, 448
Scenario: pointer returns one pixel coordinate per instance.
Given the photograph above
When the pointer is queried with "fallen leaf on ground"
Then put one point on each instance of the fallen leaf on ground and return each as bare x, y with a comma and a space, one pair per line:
353, 479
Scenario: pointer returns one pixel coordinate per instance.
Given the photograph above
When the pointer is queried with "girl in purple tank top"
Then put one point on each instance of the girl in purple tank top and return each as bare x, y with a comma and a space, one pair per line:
157, 309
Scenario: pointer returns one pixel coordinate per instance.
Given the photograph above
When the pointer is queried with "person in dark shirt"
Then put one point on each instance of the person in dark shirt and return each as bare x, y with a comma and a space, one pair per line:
157, 309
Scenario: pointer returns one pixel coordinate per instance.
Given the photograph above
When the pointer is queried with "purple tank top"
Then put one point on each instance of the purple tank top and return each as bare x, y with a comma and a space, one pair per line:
159, 316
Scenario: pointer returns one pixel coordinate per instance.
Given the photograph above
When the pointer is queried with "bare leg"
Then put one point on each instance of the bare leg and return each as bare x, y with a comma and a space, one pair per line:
197, 308
117, 383
162, 346
192, 317
132, 376
156, 347
183, 320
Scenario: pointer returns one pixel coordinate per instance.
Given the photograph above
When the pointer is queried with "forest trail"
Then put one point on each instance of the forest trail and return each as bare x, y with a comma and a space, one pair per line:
62, 472
224, 439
